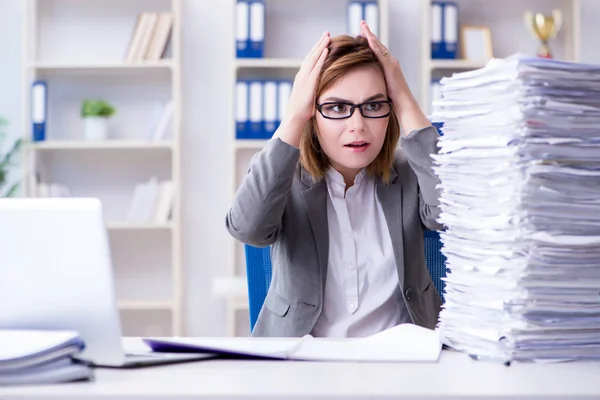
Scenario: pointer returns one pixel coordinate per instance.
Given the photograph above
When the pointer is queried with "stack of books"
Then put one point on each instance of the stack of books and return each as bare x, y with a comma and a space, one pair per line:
519, 165
30, 357
150, 37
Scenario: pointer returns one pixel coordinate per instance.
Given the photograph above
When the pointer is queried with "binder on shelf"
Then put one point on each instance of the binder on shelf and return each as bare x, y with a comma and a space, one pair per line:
450, 30
444, 30
39, 110
242, 122
371, 16
259, 107
256, 110
270, 108
355, 14
257, 28
435, 93
242, 30
367, 10
284, 90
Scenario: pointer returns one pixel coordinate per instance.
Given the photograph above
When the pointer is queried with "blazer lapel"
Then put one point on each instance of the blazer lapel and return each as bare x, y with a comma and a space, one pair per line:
390, 197
315, 199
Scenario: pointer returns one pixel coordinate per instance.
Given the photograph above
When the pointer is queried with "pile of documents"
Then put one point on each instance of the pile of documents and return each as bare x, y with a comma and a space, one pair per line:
519, 164
41, 357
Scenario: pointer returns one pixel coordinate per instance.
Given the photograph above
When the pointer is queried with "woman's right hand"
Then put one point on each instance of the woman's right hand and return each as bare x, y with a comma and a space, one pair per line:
301, 105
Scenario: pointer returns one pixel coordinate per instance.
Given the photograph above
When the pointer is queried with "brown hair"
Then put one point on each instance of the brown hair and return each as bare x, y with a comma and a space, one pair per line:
345, 54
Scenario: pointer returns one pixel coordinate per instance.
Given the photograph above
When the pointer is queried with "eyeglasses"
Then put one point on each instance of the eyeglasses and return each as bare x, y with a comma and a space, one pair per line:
341, 110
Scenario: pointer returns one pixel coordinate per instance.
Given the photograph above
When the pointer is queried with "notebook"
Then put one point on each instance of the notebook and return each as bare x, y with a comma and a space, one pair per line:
402, 343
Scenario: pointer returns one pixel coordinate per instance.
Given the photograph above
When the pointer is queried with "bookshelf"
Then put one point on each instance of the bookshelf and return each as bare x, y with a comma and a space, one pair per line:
509, 34
300, 24
68, 44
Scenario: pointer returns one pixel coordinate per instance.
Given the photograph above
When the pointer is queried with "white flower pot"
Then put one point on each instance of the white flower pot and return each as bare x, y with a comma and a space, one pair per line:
96, 128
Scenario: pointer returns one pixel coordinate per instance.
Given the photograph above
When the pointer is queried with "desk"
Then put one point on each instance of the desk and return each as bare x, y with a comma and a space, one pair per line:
455, 376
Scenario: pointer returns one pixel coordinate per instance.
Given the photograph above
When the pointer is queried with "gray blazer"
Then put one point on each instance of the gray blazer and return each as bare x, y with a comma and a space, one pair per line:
279, 204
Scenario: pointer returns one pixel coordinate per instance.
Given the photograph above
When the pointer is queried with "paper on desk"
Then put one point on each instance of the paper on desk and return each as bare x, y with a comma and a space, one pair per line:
402, 343
398, 344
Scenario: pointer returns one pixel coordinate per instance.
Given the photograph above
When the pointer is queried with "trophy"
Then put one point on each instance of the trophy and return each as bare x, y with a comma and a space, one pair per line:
545, 27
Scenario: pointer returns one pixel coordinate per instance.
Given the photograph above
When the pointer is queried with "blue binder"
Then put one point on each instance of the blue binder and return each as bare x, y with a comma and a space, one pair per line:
242, 120
257, 29
444, 34
270, 108
256, 109
39, 110
242, 29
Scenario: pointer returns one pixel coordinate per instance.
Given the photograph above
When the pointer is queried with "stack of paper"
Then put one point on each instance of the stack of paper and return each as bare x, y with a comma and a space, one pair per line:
41, 357
519, 165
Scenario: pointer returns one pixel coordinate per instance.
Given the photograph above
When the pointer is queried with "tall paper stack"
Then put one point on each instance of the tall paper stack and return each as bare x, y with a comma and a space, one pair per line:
519, 165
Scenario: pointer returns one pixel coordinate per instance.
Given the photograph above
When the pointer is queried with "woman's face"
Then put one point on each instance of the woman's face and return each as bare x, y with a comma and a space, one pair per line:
353, 143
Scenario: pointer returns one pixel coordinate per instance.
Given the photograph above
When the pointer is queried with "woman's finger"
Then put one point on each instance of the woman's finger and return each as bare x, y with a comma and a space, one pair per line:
318, 43
312, 57
375, 44
321, 61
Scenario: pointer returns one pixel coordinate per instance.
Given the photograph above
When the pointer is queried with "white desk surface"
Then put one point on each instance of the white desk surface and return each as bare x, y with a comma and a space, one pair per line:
455, 376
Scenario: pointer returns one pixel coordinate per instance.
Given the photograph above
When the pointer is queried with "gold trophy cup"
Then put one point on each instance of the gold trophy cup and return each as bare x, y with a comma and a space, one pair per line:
545, 28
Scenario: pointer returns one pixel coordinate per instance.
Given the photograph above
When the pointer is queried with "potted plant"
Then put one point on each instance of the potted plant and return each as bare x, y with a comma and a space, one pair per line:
95, 114
7, 161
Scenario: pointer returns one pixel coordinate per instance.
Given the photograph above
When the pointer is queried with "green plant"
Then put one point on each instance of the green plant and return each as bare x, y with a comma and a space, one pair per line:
7, 161
96, 108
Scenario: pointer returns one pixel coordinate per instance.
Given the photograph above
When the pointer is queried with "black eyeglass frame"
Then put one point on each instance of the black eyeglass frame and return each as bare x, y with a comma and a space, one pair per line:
353, 107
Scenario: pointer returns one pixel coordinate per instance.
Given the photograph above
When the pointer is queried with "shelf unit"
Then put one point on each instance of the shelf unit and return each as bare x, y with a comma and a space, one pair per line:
508, 31
78, 48
300, 23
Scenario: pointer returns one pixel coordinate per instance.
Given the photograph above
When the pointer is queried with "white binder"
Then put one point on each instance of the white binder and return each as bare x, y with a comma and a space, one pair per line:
257, 28
355, 14
256, 109
242, 29
270, 111
241, 109
284, 90
450, 29
39, 110
371, 17
436, 30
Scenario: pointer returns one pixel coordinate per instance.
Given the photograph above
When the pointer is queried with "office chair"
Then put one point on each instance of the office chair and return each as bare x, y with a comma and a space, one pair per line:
258, 271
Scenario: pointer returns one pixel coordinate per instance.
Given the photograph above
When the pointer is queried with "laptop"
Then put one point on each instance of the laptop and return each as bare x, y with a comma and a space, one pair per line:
56, 273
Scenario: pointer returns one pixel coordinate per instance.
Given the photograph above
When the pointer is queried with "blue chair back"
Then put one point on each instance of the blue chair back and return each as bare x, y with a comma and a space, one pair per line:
258, 271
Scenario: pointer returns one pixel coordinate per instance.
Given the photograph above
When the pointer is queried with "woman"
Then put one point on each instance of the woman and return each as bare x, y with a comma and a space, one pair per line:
341, 208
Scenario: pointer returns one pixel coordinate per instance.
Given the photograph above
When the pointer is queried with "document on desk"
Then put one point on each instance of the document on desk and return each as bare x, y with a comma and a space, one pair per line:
519, 169
402, 343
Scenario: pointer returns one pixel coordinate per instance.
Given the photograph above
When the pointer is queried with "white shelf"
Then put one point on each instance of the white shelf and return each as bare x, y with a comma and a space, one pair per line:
458, 64
101, 145
144, 305
268, 63
50, 67
131, 226
56, 49
250, 144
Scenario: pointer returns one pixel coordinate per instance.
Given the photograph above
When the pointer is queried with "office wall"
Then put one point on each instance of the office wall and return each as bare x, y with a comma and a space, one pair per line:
207, 169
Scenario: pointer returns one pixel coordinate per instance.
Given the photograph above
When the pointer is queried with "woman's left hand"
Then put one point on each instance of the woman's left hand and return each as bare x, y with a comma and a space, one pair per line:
406, 107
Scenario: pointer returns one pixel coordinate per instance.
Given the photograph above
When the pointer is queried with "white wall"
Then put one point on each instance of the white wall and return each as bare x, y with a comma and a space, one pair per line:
207, 81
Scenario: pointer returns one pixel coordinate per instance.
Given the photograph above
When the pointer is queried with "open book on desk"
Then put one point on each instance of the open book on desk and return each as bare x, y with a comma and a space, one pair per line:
402, 343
